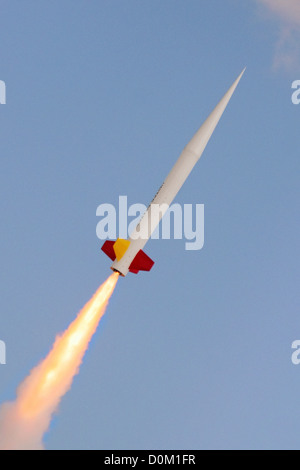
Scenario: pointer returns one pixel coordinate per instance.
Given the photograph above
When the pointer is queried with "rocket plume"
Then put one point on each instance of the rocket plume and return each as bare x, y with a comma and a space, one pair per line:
24, 422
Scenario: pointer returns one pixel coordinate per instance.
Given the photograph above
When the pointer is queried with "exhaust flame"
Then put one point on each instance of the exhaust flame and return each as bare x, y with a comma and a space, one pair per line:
24, 422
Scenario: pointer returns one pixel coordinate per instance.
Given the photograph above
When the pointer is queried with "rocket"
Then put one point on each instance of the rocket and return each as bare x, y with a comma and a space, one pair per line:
128, 255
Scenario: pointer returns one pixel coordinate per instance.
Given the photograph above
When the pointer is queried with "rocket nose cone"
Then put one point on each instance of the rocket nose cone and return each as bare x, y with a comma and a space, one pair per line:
240, 76
198, 143
235, 84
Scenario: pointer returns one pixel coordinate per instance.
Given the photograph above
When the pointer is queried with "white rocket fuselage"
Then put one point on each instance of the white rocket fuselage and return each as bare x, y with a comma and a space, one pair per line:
172, 184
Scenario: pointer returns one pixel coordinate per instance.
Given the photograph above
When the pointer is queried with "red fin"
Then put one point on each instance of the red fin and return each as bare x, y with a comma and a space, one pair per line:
141, 262
108, 249
134, 271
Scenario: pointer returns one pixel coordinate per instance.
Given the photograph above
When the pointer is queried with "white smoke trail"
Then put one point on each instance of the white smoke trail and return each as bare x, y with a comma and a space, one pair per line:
287, 50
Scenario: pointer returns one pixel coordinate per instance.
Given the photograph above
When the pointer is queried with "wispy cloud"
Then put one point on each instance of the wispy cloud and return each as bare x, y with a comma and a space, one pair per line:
287, 51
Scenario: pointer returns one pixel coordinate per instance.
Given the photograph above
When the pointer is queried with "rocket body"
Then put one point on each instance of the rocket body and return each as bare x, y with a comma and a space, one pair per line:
170, 188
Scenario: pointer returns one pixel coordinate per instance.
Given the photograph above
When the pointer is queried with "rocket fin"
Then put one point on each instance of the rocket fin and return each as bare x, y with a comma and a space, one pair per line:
141, 262
120, 248
108, 249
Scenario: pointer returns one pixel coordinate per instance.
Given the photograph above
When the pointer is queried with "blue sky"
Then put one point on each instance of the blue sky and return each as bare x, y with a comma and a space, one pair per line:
102, 96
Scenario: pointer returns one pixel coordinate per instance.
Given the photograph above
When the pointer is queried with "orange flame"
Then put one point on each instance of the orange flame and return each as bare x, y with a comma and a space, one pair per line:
39, 395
